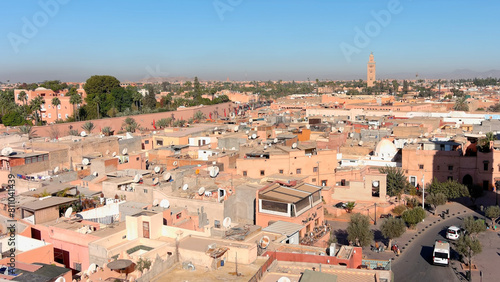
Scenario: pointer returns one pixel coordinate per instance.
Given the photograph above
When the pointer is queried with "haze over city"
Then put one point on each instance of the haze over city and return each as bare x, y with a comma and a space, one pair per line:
246, 40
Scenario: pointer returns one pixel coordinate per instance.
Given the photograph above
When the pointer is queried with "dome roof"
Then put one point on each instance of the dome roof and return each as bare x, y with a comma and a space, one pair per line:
385, 148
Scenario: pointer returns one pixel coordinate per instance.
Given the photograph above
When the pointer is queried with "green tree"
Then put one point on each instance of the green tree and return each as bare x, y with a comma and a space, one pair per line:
143, 264
56, 102
358, 230
74, 100
451, 188
461, 104
197, 88
350, 206
12, 119
399, 210
150, 99
468, 247
393, 228
97, 88
137, 98
23, 97
413, 216
396, 180
130, 124
88, 127
436, 200
473, 226
36, 107
405, 87
198, 116
395, 85
493, 212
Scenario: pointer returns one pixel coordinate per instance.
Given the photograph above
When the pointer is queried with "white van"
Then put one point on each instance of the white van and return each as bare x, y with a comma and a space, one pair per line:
441, 253
453, 232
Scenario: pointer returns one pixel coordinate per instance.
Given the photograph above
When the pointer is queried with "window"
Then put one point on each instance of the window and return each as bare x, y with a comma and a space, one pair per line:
45, 157
145, 191
450, 167
485, 166
43, 115
159, 142
58, 107
217, 223
315, 169
146, 141
274, 206
40, 158
281, 171
67, 116
77, 266
244, 173
262, 173
313, 180
50, 116
299, 171
438, 167
420, 166
27, 160
342, 182
413, 181
323, 182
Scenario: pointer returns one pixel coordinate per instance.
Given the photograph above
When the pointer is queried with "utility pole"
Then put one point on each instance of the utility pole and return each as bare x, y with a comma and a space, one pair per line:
423, 191
375, 220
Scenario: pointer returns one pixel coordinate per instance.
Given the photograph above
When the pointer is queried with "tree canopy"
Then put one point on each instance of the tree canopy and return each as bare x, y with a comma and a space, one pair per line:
413, 216
358, 230
396, 180
451, 188
393, 228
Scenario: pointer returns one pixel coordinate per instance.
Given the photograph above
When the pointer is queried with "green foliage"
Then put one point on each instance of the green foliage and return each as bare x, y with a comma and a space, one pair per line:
493, 212
12, 119
461, 104
99, 91
411, 202
358, 230
130, 124
198, 116
88, 127
107, 130
164, 122
413, 216
393, 228
473, 226
475, 192
143, 264
179, 123
350, 206
54, 85
468, 247
399, 209
28, 130
396, 181
436, 199
451, 188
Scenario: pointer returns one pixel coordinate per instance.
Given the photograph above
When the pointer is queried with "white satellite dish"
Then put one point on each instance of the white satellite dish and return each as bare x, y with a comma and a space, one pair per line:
254, 136
92, 268
375, 183
264, 242
114, 154
185, 187
236, 128
155, 203
107, 152
226, 222
275, 140
250, 120
360, 143
351, 134
157, 169
247, 132
294, 145
85, 161
284, 279
308, 126
214, 162
60, 279
155, 181
24, 145
124, 151
95, 173
83, 133
215, 129
201, 191
137, 178
165, 204
68, 212
167, 176
214, 171
341, 129
265, 147
56, 169
7, 151
175, 163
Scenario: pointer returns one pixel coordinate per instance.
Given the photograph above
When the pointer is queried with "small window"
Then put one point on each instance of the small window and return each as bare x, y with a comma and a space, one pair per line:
281, 171
438, 167
45, 157
58, 107
299, 171
159, 142
450, 167
78, 266
323, 182
50, 115
315, 169
28, 160
313, 180
145, 191
216, 223
262, 173
58, 115
137, 158
67, 116
421, 166
244, 173
485, 166
146, 141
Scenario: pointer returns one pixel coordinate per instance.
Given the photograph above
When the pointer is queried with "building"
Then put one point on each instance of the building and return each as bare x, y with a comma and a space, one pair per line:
371, 71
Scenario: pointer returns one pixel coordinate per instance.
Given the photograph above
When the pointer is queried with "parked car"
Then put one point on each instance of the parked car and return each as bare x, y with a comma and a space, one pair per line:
386, 215
454, 232
340, 205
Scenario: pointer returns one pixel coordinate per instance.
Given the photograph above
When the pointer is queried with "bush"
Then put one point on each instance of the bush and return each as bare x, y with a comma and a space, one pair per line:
413, 216
399, 209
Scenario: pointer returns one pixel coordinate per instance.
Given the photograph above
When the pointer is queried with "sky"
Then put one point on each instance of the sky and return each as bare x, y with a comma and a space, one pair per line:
71, 40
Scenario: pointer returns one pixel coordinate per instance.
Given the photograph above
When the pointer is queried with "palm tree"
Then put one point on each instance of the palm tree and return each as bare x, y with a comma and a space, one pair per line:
130, 124
199, 115
74, 100
56, 102
88, 126
137, 97
23, 97
36, 106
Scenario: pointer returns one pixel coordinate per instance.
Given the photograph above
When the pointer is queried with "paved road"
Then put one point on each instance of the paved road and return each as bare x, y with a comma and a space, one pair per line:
415, 264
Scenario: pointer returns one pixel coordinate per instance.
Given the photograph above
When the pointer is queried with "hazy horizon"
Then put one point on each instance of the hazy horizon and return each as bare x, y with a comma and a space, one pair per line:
245, 40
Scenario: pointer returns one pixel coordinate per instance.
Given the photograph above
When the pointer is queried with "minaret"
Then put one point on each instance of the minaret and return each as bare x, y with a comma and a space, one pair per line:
371, 71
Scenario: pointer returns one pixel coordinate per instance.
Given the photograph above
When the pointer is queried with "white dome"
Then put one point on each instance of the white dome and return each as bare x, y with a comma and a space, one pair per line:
385, 149
40, 89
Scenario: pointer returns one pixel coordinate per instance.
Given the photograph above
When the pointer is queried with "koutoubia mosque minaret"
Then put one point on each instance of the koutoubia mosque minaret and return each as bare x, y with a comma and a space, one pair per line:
371, 71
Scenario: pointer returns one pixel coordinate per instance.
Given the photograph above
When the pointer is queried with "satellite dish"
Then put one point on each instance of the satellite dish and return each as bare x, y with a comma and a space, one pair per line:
264, 242
157, 169
247, 132
114, 154
360, 143
85, 161
95, 173
167, 176
201, 191
83, 133
60, 279
215, 129
294, 145
275, 140
236, 128
226, 222
175, 163
107, 152
185, 187
375, 183
165, 204
284, 279
214, 171
124, 151
68, 212
24, 144
137, 178
341, 129
265, 147
254, 136
7, 151
92, 268
155, 203
308, 126
233, 149
250, 120
56, 169
155, 181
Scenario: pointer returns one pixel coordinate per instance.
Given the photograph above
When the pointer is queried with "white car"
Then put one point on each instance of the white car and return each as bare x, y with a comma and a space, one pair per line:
453, 233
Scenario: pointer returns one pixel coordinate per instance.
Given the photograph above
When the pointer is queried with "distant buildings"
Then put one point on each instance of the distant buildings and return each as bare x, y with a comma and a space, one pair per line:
371, 71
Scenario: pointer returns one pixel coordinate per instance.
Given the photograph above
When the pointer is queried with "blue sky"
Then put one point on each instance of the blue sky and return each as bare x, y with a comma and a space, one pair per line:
244, 39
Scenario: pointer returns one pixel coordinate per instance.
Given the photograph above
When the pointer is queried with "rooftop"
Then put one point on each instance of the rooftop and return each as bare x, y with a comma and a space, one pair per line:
47, 203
